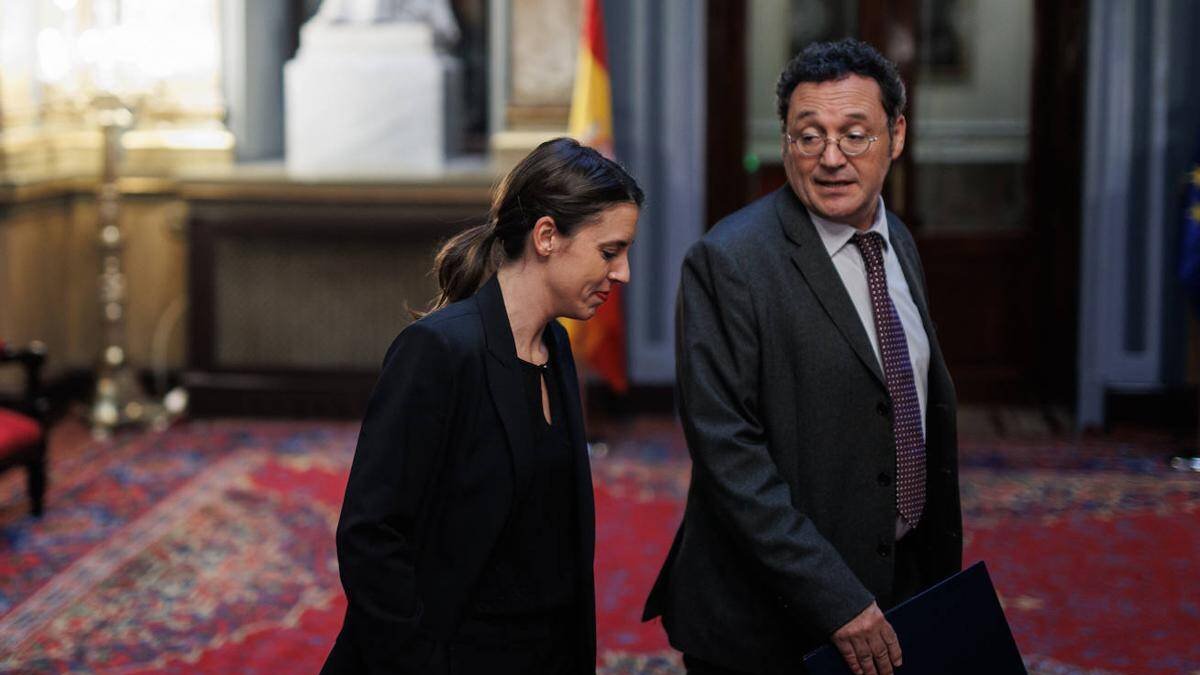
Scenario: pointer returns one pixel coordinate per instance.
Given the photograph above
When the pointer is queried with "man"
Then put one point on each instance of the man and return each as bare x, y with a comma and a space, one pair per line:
817, 407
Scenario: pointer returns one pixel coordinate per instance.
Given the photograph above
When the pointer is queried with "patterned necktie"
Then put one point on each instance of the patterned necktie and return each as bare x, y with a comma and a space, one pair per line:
898, 374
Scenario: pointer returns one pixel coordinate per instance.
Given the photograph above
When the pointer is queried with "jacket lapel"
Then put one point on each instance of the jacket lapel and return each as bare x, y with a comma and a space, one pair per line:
504, 382
568, 384
811, 258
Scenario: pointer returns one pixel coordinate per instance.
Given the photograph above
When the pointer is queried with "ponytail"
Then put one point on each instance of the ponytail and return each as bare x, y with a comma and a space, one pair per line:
465, 263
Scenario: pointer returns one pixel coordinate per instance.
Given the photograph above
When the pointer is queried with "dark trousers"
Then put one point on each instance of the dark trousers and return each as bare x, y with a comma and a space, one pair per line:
549, 657
542, 644
697, 666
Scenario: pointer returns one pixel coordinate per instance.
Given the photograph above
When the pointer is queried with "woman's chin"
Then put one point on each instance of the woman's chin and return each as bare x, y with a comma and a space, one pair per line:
583, 313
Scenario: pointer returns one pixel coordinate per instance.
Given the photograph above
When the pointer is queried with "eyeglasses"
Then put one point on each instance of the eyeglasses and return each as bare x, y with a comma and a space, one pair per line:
811, 145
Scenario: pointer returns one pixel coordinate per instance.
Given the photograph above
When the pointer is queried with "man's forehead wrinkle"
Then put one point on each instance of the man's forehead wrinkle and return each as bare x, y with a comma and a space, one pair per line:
838, 97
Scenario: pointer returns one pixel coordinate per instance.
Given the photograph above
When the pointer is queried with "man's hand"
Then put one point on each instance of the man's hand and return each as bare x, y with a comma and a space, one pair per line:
868, 643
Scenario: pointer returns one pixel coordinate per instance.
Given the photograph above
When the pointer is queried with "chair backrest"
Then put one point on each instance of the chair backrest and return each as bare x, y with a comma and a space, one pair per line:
32, 358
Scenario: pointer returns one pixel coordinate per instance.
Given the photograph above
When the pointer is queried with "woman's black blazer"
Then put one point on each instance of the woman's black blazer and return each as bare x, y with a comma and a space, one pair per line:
443, 454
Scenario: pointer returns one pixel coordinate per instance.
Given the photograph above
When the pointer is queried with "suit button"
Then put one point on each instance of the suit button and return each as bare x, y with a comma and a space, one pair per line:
884, 550
884, 479
883, 408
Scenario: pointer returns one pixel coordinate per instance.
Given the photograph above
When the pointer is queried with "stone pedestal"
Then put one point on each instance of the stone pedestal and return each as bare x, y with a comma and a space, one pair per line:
535, 46
370, 99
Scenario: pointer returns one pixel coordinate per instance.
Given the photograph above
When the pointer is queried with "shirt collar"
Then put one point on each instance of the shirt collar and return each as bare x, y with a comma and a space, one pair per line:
837, 235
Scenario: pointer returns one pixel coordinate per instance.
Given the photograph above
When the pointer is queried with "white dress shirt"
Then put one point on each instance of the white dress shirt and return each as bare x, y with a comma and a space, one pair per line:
850, 267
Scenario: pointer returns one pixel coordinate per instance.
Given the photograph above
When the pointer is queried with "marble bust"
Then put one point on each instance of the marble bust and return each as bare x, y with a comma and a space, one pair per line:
435, 13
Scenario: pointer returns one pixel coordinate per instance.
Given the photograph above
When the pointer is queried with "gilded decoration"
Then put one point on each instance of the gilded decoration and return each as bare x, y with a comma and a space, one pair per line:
57, 57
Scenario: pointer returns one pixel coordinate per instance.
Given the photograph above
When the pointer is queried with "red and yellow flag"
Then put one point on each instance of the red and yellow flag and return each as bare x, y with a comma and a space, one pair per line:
600, 342
591, 102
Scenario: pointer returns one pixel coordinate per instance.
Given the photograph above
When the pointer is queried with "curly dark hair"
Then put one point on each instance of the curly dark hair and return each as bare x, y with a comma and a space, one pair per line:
826, 61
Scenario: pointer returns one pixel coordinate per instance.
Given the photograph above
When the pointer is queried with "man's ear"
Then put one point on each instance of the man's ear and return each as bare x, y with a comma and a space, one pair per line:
898, 133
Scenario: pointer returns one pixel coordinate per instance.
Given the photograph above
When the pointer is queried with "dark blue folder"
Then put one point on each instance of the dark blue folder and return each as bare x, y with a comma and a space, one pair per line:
956, 626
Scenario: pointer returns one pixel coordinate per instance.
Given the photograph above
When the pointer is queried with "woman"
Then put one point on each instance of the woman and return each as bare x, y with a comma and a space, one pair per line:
466, 536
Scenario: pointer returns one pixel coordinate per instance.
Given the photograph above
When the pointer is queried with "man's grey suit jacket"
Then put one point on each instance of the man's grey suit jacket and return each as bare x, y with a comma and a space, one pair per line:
789, 528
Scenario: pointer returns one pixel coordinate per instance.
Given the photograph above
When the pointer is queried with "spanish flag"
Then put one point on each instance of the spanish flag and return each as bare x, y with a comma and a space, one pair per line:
600, 342
591, 102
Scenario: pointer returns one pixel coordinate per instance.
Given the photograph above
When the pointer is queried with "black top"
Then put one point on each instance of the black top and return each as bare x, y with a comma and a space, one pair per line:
531, 574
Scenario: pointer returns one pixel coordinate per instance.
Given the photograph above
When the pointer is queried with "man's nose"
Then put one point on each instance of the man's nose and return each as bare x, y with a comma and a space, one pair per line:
831, 155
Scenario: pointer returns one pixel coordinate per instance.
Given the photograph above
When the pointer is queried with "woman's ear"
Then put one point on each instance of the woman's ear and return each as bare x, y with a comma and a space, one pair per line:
545, 236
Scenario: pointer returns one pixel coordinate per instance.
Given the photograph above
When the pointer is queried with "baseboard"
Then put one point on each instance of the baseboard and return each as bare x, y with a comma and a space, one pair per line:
66, 389
290, 395
1175, 410
639, 400
77, 385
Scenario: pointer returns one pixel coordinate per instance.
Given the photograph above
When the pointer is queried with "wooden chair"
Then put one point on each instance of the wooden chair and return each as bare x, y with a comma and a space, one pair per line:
23, 422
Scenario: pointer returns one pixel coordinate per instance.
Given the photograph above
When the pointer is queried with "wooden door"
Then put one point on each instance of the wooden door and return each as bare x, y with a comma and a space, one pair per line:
990, 182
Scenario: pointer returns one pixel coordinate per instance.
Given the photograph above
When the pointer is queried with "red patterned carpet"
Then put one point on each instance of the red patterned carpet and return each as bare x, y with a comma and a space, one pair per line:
209, 549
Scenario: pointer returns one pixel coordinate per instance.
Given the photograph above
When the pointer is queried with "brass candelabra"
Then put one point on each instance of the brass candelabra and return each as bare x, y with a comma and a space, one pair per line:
120, 399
